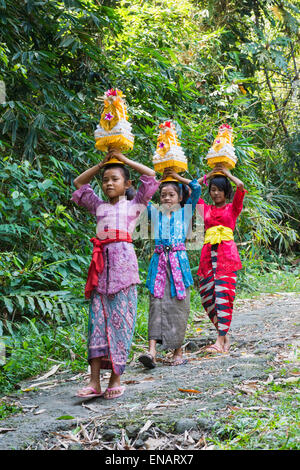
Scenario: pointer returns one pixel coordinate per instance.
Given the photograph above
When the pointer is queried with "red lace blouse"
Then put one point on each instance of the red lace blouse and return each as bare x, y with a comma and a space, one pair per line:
228, 256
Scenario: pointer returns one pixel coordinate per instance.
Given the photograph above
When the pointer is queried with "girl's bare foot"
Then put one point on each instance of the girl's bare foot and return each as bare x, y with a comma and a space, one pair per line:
114, 380
214, 349
218, 347
177, 358
93, 388
177, 355
114, 388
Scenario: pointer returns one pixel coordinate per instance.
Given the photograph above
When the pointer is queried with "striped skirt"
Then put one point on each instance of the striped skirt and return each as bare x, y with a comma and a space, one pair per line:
217, 295
111, 326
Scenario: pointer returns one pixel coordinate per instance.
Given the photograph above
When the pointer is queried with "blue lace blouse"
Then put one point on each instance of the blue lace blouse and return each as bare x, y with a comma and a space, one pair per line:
172, 231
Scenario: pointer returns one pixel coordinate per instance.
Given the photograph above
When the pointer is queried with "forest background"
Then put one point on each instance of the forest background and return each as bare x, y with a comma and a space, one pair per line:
199, 63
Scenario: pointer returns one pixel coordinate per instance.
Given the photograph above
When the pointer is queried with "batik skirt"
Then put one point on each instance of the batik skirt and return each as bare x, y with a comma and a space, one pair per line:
168, 317
111, 325
217, 295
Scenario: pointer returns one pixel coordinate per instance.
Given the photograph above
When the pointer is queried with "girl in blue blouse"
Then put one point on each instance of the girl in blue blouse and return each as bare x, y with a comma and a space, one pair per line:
169, 276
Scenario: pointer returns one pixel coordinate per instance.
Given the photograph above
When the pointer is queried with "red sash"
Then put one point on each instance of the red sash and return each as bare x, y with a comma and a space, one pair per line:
97, 263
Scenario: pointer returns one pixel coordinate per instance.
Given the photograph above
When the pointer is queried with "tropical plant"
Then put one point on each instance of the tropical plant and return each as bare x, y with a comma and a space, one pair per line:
200, 63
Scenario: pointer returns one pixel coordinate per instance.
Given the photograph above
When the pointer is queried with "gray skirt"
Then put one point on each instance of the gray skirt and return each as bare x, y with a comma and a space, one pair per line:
168, 317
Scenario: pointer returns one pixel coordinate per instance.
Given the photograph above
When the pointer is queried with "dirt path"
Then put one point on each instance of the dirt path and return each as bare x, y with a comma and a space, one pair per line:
154, 414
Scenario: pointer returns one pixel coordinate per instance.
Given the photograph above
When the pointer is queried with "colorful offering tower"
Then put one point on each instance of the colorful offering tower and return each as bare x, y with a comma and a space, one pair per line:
222, 150
169, 153
114, 130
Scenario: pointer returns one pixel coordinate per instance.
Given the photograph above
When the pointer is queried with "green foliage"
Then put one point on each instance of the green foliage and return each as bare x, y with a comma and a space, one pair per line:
263, 272
36, 273
32, 345
186, 61
6, 409
274, 428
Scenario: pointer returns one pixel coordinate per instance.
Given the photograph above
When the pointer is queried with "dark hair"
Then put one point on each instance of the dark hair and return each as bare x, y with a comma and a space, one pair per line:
181, 190
130, 192
223, 184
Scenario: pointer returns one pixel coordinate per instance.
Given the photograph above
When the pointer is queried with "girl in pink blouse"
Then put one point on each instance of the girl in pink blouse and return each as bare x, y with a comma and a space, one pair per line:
220, 261
113, 273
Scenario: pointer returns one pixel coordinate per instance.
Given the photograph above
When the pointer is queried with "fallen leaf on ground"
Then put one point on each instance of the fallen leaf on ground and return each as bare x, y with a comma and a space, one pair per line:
66, 417
67, 436
220, 392
51, 372
75, 377
188, 438
201, 442
231, 367
289, 380
188, 390
148, 379
258, 408
49, 386
233, 408
152, 444
246, 389
84, 432
39, 412
40, 383
63, 444
90, 407
29, 407
146, 426
151, 406
269, 379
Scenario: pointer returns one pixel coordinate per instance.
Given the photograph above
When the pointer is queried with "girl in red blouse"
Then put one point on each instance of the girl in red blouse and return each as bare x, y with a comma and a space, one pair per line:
220, 261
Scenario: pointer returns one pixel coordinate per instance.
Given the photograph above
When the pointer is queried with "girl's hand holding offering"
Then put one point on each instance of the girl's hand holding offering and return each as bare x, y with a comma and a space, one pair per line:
216, 170
105, 160
169, 172
226, 172
211, 174
219, 167
136, 166
115, 153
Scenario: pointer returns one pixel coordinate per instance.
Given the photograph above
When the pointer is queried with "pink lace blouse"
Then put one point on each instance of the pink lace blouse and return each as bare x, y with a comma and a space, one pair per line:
120, 262
228, 256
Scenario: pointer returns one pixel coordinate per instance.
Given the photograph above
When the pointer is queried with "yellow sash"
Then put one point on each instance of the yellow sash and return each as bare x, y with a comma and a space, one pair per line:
217, 234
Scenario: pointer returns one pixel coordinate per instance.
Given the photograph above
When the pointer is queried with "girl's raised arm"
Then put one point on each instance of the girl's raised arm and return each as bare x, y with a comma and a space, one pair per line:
203, 179
239, 184
219, 168
89, 174
173, 174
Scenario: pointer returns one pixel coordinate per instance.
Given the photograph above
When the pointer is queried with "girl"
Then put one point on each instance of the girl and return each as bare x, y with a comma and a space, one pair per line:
220, 261
169, 275
113, 273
